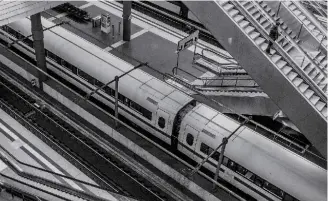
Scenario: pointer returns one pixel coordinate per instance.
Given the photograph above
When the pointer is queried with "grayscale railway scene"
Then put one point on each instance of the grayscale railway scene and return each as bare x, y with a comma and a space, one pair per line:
163, 100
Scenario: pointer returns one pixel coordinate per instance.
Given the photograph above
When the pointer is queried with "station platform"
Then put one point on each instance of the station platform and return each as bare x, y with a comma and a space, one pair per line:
150, 40
18, 142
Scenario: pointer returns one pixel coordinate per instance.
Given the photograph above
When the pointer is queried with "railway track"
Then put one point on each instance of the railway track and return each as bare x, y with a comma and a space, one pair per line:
114, 174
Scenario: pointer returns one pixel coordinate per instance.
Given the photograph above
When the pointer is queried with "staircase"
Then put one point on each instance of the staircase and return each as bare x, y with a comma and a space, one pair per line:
319, 57
288, 41
300, 20
289, 86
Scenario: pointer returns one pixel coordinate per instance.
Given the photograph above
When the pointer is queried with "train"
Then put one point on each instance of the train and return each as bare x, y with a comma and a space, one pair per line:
253, 163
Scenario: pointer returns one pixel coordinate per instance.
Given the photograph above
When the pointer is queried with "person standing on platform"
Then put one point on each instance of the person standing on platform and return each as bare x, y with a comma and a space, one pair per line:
273, 34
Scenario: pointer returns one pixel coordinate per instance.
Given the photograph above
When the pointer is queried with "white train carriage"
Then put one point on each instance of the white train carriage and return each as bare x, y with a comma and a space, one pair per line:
253, 163
148, 102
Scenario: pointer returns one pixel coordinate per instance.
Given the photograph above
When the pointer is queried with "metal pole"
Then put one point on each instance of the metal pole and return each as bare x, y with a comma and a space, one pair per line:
321, 42
278, 9
302, 61
177, 64
298, 35
193, 58
119, 28
224, 143
116, 101
204, 161
113, 31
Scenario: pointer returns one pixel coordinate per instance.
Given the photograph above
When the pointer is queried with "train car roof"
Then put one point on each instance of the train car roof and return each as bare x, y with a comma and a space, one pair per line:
105, 65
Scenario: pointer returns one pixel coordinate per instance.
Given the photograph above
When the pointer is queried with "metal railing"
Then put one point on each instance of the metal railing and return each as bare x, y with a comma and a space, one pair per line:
290, 40
317, 6
281, 52
306, 27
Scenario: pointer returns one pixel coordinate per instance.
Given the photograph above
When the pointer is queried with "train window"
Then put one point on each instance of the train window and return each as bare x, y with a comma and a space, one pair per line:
288, 198
232, 165
250, 176
29, 42
4, 27
147, 114
216, 156
109, 91
11, 31
54, 57
133, 105
190, 139
98, 83
258, 181
161, 122
66, 65
225, 161
127, 101
120, 97
241, 170
273, 189
204, 148
19, 35
85, 76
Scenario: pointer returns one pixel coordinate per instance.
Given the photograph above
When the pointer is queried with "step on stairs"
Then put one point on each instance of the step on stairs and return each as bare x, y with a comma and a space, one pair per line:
322, 61
316, 75
283, 25
320, 58
286, 70
310, 26
217, 69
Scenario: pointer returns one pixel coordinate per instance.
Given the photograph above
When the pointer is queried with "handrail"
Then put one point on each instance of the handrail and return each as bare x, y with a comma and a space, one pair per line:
306, 27
217, 53
221, 65
311, 17
316, 7
226, 66
289, 39
176, 69
319, 8
313, 85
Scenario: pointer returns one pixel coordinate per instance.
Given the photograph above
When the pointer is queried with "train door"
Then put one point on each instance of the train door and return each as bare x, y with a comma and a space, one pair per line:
162, 121
189, 139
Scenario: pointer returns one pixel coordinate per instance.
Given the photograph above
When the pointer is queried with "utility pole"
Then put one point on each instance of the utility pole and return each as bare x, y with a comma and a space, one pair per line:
224, 143
116, 101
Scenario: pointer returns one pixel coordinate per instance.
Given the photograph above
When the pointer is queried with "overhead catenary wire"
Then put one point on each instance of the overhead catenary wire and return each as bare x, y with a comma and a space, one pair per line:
196, 92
